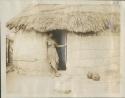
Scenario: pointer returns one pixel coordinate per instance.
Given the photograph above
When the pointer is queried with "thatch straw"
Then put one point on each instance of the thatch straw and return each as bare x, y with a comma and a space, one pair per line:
73, 18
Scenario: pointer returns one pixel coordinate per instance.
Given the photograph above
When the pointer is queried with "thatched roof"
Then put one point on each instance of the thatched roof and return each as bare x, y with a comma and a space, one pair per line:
73, 18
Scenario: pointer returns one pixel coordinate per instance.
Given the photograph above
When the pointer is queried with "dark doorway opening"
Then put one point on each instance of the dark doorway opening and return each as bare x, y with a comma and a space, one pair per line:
60, 37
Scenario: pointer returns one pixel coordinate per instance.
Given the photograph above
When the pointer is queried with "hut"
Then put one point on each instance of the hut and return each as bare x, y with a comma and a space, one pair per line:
91, 34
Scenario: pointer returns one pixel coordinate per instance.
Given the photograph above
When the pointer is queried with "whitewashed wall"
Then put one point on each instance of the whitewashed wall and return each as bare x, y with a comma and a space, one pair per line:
29, 52
93, 52
102, 51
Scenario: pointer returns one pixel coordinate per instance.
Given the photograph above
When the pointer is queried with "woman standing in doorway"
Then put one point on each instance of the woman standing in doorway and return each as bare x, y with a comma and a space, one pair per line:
52, 55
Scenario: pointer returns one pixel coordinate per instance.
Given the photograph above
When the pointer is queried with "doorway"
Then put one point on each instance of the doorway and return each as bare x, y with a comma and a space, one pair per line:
61, 38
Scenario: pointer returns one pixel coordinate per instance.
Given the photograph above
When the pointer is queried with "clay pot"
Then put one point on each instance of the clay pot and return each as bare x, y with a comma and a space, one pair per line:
96, 76
89, 75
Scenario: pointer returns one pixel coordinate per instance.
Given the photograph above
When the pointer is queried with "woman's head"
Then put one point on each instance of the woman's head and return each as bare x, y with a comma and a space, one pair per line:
50, 35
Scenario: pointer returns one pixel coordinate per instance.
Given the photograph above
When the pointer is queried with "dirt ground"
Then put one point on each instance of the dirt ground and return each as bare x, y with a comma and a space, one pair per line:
71, 84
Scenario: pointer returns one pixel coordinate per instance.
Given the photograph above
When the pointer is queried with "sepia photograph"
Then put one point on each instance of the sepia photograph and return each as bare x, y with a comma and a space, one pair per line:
61, 48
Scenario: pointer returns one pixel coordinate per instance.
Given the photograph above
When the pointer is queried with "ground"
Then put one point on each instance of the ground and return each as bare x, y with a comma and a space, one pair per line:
70, 84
